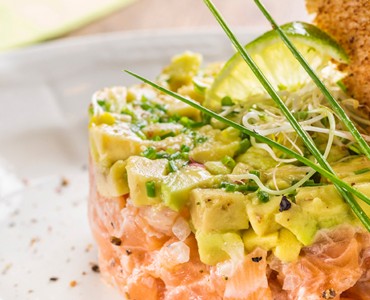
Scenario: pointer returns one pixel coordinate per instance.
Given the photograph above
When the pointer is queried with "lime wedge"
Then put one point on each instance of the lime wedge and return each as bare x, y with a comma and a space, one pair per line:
237, 81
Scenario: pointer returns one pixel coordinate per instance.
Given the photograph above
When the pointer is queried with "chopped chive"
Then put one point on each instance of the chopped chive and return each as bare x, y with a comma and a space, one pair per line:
228, 162
150, 153
150, 189
243, 188
175, 155
263, 196
362, 171
311, 182
184, 148
172, 166
244, 145
228, 186
227, 101
169, 134
200, 140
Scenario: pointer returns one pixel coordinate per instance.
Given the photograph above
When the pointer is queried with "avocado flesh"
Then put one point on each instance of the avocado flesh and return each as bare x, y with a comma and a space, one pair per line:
141, 170
112, 182
216, 247
324, 204
177, 185
262, 215
288, 247
299, 222
110, 143
252, 240
217, 210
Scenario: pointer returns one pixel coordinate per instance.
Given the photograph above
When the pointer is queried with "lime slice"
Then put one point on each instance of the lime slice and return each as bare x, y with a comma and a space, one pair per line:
275, 60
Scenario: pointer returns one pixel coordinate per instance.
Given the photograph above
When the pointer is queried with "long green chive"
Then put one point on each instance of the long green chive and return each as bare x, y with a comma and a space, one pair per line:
271, 91
352, 203
150, 189
336, 107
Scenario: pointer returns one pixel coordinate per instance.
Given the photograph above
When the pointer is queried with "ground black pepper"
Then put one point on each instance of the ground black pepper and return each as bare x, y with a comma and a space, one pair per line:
329, 294
115, 241
284, 204
256, 259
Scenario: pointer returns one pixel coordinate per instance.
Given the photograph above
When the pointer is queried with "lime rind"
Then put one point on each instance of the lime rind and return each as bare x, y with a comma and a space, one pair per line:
275, 60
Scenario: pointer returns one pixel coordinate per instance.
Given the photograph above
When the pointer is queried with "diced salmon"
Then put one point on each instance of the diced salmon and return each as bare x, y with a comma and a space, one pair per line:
141, 256
249, 282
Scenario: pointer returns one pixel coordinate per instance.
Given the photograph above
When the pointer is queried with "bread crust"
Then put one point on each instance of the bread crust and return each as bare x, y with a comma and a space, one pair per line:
348, 21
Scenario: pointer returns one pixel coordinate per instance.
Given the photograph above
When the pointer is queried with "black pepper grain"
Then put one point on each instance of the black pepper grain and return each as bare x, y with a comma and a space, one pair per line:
128, 252
95, 268
329, 294
115, 241
284, 204
53, 278
256, 259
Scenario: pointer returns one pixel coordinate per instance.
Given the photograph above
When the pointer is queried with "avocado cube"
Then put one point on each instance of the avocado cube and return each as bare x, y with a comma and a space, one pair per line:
262, 215
141, 170
324, 204
109, 143
217, 210
177, 185
257, 159
213, 150
365, 189
288, 247
252, 240
299, 222
217, 168
217, 247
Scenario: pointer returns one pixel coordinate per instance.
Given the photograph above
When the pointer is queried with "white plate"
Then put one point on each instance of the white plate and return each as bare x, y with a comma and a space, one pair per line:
44, 95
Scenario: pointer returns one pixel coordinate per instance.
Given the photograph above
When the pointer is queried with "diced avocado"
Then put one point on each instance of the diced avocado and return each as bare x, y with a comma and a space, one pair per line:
217, 210
216, 168
288, 247
241, 168
284, 176
112, 182
365, 189
140, 171
182, 69
324, 204
349, 167
217, 247
162, 129
228, 135
178, 108
252, 240
299, 222
213, 151
112, 143
257, 159
177, 185
262, 214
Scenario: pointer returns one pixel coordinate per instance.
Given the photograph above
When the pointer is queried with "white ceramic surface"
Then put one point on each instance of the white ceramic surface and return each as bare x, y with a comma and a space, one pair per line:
44, 95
